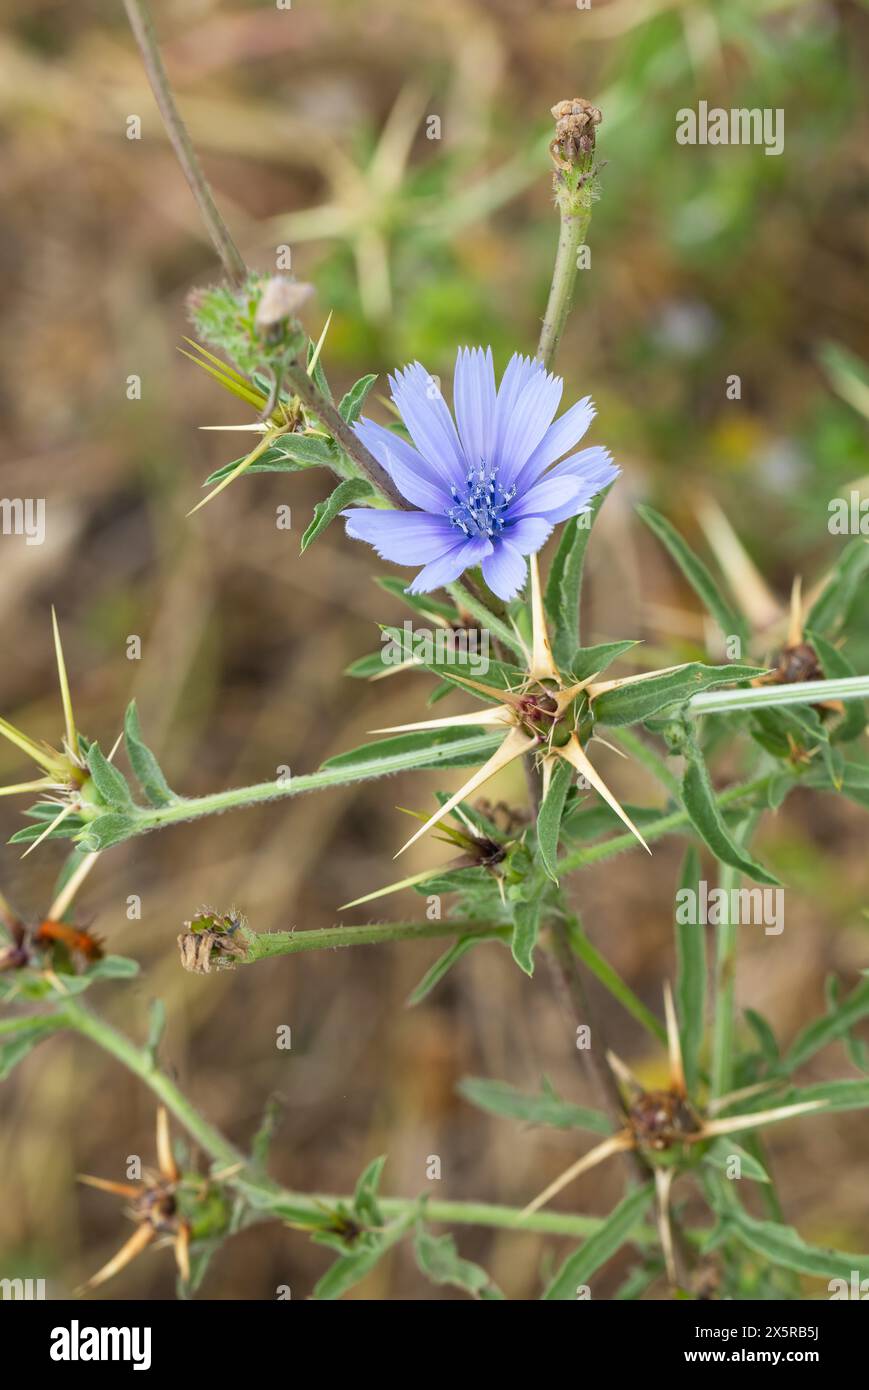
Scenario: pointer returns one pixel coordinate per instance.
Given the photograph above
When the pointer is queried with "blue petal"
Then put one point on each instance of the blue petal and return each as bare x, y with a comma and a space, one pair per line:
564, 434
593, 469
417, 487
505, 571
406, 538
549, 495
387, 447
529, 420
424, 411
520, 370
449, 566
474, 402
528, 535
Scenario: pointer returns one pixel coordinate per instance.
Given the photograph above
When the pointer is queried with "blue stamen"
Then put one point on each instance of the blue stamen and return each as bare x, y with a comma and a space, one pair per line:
480, 511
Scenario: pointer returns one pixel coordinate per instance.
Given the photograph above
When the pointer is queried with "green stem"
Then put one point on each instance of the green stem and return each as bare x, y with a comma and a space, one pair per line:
774, 696
290, 943
572, 232
142, 26
140, 1062
342, 774
724, 1024
265, 1193
674, 820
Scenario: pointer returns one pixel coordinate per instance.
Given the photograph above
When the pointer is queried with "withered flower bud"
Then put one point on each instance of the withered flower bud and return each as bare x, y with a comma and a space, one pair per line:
281, 301
576, 122
210, 934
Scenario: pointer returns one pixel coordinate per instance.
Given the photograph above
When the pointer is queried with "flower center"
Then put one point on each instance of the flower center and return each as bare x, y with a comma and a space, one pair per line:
479, 508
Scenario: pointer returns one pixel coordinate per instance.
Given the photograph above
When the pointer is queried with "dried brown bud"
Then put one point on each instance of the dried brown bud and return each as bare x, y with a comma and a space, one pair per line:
576, 122
281, 300
210, 934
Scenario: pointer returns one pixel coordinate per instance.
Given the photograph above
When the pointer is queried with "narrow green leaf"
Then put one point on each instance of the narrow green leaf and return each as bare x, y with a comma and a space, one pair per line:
442, 965
526, 929
500, 1098
561, 598
591, 661
830, 1028
700, 804
549, 818
612, 980
691, 974
351, 490
405, 752
831, 607
145, 766
721, 1154
643, 699
729, 621
351, 405
785, 1247
616, 1229
836, 1095
835, 664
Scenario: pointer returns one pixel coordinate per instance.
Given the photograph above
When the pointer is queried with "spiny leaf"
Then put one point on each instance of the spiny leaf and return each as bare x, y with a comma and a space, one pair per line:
641, 700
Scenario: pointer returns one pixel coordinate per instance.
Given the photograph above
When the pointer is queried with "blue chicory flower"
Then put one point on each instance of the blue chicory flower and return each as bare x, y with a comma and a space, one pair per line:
486, 493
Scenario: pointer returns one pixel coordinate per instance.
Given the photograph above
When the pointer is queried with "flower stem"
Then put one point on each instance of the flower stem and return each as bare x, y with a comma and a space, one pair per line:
572, 233
142, 26
265, 1193
290, 943
721, 1068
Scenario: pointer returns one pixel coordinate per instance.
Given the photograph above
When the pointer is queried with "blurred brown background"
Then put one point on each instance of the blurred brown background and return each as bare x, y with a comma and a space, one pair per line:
312, 126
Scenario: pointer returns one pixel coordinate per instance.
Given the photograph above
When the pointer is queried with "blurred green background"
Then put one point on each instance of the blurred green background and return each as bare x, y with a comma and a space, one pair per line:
705, 262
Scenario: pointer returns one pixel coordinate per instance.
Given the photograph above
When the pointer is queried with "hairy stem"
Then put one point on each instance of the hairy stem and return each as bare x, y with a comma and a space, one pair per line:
142, 26
266, 1194
572, 233
290, 943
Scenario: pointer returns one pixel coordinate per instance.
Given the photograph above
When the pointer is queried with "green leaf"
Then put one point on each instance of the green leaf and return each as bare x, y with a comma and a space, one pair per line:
442, 965
549, 817
830, 1028
836, 1095
365, 1195
700, 804
440, 1262
19, 1035
318, 376
830, 609
564, 584
835, 665
526, 929
106, 830
405, 752
349, 1269
583, 1263
729, 621
352, 490
500, 1098
351, 405
691, 977
723, 1151
457, 666
111, 785
145, 766
290, 454
591, 661
785, 1247
612, 980
643, 699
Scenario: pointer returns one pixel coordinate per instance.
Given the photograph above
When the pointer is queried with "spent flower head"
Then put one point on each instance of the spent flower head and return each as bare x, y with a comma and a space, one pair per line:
483, 489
